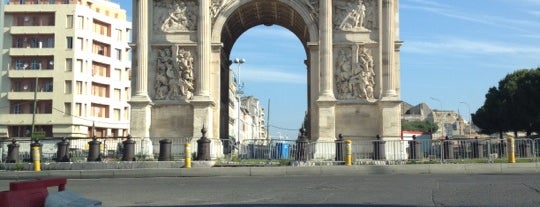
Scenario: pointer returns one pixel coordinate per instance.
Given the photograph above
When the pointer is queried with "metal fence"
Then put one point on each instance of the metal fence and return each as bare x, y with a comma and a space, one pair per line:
285, 151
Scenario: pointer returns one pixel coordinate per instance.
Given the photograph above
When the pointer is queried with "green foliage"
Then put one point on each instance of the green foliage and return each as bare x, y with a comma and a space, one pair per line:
513, 105
425, 126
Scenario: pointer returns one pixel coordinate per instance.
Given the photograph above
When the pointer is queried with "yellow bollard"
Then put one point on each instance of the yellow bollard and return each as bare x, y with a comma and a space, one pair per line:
187, 150
37, 162
348, 152
511, 150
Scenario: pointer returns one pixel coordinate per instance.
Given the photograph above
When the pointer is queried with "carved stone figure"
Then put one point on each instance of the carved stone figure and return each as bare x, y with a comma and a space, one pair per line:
175, 15
355, 75
355, 15
313, 6
174, 75
217, 6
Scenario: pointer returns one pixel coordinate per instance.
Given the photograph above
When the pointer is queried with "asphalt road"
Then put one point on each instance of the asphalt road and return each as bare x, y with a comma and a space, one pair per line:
362, 190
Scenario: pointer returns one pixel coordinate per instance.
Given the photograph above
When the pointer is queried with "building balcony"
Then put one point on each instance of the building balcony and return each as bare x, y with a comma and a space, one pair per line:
43, 73
32, 51
26, 119
26, 30
28, 95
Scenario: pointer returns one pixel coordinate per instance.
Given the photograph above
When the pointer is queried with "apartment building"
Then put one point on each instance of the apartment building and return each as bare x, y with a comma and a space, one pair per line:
66, 69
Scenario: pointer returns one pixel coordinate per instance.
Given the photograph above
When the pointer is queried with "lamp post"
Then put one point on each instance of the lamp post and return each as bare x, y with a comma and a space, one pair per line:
33, 130
441, 118
470, 117
238, 61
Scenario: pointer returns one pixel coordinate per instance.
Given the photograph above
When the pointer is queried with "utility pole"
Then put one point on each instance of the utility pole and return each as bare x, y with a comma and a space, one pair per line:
34, 107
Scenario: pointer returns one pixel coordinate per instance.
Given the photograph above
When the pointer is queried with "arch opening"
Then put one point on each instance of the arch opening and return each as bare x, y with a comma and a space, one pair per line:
245, 18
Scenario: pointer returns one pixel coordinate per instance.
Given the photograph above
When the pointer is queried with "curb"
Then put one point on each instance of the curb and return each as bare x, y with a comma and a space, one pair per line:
498, 168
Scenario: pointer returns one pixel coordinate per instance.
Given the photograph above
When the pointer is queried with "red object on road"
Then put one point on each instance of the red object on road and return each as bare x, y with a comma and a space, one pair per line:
30, 193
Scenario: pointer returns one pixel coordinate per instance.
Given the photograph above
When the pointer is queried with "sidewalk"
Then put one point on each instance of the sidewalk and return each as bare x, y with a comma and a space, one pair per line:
495, 168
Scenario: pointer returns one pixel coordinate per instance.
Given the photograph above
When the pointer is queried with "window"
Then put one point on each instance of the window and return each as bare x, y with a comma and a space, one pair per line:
99, 69
48, 85
80, 43
67, 108
22, 1
78, 109
19, 65
79, 87
17, 109
51, 1
69, 21
118, 54
69, 64
68, 87
80, 66
80, 22
119, 35
99, 110
50, 42
116, 114
126, 113
118, 74
127, 93
69, 42
100, 90
118, 94
35, 65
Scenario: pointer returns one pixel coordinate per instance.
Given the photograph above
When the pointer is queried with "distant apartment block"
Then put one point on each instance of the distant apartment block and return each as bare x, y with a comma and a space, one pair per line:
66, 69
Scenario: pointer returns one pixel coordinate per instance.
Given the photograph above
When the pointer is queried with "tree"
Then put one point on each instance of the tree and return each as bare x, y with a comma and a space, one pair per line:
513, 105
425, 126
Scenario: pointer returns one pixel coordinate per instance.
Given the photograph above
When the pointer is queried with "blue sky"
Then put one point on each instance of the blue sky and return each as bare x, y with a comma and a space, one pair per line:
454, 52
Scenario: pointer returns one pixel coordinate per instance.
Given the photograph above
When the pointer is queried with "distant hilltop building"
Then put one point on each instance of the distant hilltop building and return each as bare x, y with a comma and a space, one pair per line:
66, 69
450, 123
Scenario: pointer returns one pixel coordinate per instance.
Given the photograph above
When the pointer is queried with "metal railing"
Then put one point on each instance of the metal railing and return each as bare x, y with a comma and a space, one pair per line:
283, 152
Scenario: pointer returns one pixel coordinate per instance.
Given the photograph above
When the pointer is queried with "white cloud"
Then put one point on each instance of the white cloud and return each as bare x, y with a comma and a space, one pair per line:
269, 76
492, 20
456, 45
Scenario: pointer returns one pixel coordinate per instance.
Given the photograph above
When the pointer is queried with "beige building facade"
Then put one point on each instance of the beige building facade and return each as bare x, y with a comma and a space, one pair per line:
182, 60
66, 69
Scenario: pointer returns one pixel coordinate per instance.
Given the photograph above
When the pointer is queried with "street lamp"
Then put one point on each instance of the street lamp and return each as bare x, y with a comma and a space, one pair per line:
470, 117
34, 109
441, 118
238, 61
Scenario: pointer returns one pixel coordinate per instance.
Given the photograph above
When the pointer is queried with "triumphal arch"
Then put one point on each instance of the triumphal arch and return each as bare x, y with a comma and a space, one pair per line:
182, 51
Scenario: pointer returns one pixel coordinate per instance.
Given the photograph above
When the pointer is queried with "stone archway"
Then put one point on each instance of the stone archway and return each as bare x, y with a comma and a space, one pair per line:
183, 47
235, 19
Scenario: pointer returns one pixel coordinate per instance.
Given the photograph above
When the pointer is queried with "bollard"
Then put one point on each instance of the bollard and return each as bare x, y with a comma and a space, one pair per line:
61, 151
128, 153
13, 152
203, 147
348, 152
379, 153
301, 145
164, 150
414, 149
339, 148
36, 144
187, 151
36, 158
448, 151
511, 150
93, 150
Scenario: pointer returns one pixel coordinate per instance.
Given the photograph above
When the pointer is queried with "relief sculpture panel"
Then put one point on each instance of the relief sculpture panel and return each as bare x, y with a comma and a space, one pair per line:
174, 74
355, 15
171, 16
355, 74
